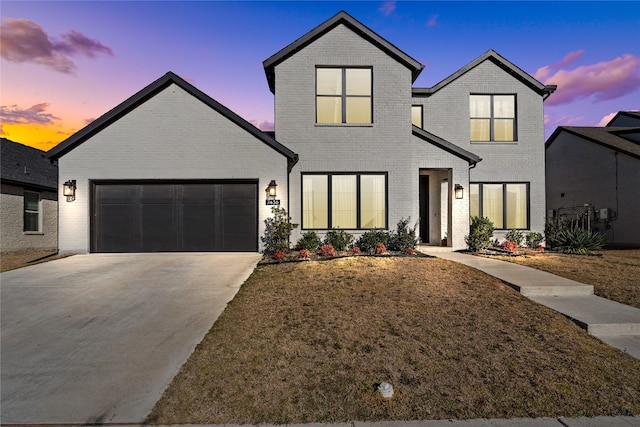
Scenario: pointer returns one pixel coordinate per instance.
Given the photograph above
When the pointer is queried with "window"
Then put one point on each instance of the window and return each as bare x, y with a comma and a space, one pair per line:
493, 117
347, 201
416, 115
506, 205
31, 211
343, 95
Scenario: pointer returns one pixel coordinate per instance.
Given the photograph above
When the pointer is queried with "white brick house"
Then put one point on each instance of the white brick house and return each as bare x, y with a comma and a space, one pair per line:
347, 152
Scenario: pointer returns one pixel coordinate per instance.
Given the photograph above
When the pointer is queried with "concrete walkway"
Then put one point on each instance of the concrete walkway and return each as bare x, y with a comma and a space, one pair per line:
613, 323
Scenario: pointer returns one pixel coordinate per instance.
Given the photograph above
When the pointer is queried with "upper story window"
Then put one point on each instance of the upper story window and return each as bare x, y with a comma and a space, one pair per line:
493, 117
416, 116
344, 95
31, 211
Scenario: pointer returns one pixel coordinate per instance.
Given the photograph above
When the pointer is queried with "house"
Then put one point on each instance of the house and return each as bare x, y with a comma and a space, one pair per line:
355, 147
595, 172
28, 199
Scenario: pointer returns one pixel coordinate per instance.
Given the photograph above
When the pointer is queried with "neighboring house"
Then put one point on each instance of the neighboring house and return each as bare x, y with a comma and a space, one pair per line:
595, 171
28, 200
356, 147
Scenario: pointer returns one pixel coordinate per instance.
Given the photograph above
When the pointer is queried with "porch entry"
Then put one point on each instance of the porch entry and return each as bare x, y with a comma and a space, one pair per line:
435, 206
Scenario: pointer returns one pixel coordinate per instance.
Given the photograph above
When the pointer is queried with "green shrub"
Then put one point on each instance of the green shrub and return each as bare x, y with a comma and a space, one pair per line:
310, 241
515, 236
534, 239
277, 231
480, 234
339, 239
404, 237
368, 241
577, 241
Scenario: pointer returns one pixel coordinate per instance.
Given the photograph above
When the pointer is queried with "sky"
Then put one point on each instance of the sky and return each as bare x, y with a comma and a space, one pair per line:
65, 63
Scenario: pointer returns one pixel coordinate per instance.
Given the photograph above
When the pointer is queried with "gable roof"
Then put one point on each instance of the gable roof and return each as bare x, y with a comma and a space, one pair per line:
500, 61
354, 25
634, 115
605, 136
149, 92
446, 145
26, 166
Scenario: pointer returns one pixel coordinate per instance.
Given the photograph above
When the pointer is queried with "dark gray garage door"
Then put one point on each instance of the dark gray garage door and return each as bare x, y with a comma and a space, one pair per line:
174, 216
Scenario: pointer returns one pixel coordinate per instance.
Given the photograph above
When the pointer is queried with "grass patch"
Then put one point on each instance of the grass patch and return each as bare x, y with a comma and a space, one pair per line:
309, 342
614, 275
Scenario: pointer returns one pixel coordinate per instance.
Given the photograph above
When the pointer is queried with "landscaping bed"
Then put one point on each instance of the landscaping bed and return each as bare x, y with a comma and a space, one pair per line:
310, 341
13, 260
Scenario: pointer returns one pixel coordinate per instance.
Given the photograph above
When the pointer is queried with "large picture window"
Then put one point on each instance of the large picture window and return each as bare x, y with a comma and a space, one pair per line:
31, 211
347, 201
493, 118
505, 204
343, 95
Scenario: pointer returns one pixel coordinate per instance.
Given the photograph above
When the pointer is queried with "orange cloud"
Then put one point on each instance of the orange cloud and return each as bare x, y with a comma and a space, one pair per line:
38, 136
22, 40
604, 80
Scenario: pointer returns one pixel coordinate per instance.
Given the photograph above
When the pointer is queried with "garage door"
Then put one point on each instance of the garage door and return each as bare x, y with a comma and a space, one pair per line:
174, 216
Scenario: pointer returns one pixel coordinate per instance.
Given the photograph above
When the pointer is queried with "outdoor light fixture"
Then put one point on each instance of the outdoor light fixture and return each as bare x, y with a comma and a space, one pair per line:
271, 190
69, 190
459, 191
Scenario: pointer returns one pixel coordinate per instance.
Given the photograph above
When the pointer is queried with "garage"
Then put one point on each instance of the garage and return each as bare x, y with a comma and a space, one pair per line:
174, 216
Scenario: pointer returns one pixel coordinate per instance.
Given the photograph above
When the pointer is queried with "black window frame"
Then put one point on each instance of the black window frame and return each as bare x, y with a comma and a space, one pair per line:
504, 201
26, 211
421, 107
492, 118
343, 95
358, 199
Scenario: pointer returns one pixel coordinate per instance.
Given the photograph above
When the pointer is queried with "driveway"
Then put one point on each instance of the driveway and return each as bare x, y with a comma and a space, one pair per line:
97, 338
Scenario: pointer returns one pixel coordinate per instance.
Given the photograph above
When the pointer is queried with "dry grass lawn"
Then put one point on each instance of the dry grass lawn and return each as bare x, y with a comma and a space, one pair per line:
615, 275
309, 342
13, 260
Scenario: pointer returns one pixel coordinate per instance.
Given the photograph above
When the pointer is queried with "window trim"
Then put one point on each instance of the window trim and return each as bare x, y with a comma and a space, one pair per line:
491, 139
504, 201
421, 107
358, 200
343, 96
25, 211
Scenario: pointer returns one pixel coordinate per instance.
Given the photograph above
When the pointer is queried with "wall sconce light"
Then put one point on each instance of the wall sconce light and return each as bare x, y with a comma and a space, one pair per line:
272, 193
459, 191
69, 190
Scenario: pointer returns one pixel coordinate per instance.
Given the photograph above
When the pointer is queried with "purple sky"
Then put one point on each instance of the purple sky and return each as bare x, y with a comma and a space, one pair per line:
64, 64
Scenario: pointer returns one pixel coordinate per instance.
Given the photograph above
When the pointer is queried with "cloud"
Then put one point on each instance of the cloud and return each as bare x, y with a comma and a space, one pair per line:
604, 80
433, 21
2, 132
87, 121
264, 125
22, 40
33, 115
606, 119
567, 120
387, 8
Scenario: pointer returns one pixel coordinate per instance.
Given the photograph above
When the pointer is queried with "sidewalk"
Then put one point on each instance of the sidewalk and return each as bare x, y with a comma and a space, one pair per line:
613, 323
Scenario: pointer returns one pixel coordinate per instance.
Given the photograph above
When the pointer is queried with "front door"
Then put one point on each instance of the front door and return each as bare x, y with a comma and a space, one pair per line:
424, 209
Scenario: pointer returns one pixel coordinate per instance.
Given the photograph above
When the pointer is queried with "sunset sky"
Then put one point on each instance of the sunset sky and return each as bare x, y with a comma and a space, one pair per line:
64, 64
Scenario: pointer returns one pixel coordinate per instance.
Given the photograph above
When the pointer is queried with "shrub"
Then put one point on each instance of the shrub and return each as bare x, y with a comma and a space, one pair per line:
277, 231
534, 239
515, 236
410, 251
279, 255
327, 250
509, 246
339, 239
480, 233
310, 241
578, 241
304, 254
404, 237
368, 241
354, 250
380, 248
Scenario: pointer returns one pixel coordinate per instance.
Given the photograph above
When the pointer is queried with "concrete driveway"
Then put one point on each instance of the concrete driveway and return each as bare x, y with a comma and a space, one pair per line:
97, 338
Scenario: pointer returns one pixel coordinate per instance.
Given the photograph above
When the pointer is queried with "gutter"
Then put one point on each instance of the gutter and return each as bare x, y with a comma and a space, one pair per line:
548, 90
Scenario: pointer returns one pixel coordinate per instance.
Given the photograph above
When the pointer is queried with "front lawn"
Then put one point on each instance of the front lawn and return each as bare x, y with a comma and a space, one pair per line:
615, 274
309, 342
